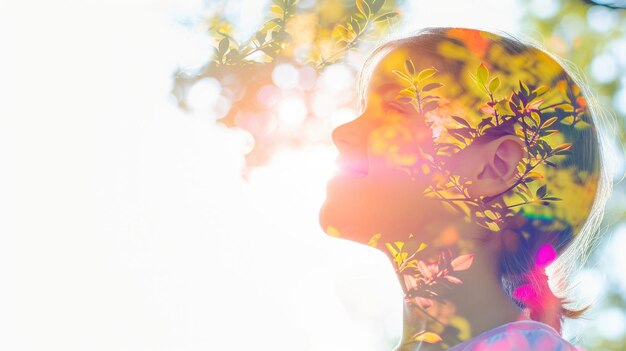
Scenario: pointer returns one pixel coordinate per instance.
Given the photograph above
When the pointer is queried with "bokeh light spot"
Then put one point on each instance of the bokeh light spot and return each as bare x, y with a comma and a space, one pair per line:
604, 68
285, 76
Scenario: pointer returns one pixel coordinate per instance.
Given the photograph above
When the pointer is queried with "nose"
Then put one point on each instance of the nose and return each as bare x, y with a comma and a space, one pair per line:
349, 136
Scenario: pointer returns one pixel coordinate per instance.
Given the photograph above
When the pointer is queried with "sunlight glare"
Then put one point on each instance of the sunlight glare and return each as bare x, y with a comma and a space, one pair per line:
336, 79
292, 110
204, 96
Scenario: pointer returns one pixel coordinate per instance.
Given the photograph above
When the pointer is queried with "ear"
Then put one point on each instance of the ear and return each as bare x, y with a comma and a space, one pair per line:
494, 165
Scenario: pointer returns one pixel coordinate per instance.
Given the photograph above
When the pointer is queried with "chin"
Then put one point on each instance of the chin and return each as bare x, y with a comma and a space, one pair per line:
332, 223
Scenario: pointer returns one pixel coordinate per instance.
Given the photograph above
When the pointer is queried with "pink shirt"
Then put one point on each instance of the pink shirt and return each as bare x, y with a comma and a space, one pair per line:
521, 335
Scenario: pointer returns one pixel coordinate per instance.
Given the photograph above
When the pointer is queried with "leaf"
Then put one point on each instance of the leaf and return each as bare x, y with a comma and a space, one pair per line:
542, 89
482, 73
277, 10
421, 247
408, 65
453, 280
223, 45
408, 92
522, 196
386, 16
494, 84
484, 122
391, 249
428, 337
534, 175
565, 146
359, 5
534, 106
402, 75
523, 88
374, 240
399, 244
424, 270
432, 86
536, 118
552, 198
493, 226
461, 121
376, 5
430, 106
462, 263
488, 110
551, 164
549, 122
426, 73
541, 191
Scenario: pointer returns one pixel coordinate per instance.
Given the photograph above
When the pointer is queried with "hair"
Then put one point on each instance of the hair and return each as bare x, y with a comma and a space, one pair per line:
519, 268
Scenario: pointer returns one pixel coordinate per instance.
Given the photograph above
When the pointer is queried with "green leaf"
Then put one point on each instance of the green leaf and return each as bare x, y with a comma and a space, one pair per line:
364, 8
386, 16
223, 45
426, 73
376, 5
482, 73
494, 84
359, 5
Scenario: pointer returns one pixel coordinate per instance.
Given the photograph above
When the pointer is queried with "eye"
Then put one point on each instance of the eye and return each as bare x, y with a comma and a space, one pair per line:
390, 107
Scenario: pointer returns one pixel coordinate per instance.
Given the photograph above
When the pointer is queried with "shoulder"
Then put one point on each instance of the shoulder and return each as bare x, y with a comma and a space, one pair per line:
518, 336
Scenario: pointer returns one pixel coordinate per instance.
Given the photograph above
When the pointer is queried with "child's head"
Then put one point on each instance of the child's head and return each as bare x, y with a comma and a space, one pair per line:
464, 134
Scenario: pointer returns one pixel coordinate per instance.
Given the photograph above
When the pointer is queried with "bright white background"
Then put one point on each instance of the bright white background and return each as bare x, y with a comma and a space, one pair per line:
124, 223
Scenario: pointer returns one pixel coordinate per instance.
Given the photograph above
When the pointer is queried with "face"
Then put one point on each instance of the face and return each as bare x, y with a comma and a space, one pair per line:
383, 178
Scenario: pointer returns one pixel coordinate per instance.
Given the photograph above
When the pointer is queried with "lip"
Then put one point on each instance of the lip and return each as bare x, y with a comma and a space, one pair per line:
353, 166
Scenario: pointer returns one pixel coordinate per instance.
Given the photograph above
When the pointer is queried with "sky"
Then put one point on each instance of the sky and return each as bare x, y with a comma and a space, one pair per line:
126, 224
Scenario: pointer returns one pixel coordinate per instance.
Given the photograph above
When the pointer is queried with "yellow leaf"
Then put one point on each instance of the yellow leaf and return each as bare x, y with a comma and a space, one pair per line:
549, 122
277, 10
494, 84
373, 242
426, 73
422, 247
541, 90
332, 231
399, 245
428, 337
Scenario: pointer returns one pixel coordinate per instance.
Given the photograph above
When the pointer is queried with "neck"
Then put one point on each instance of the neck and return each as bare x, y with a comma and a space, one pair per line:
443, 308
